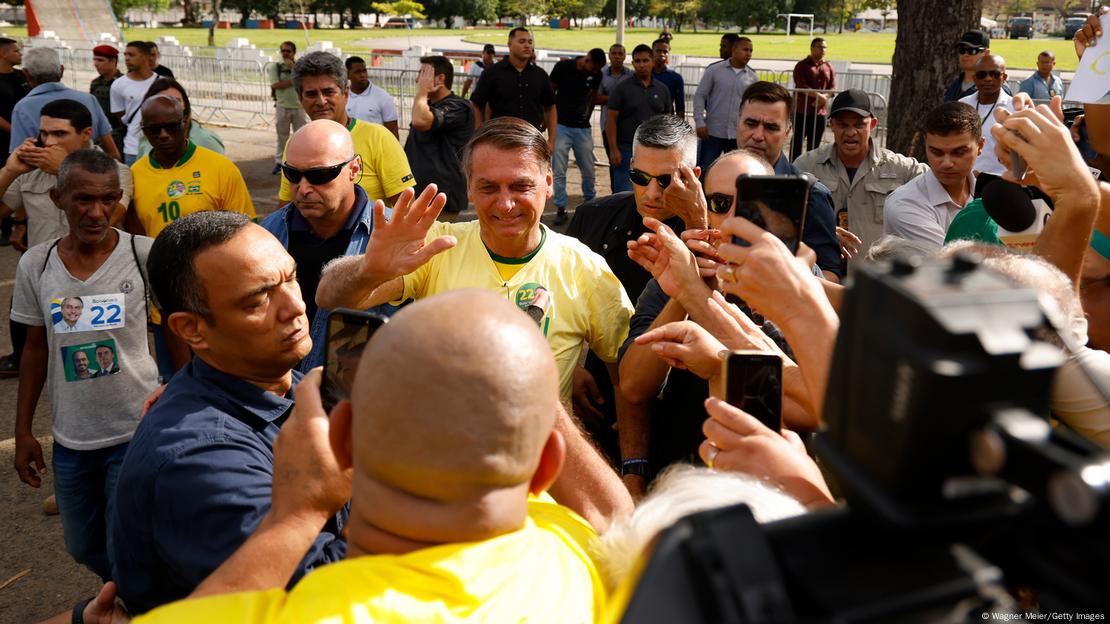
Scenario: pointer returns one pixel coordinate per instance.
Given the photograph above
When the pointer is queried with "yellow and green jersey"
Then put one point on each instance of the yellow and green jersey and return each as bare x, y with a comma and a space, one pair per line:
201, 180
385, 168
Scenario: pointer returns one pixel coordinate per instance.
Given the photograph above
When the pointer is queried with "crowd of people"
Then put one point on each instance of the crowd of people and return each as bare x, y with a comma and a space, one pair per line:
539, 405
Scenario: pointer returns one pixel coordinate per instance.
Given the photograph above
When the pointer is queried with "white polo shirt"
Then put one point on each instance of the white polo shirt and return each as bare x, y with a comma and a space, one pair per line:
921, 209
373, 105
988, 162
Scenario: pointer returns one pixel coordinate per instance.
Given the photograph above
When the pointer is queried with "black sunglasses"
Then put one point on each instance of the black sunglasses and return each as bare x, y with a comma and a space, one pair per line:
318, 175
719, 203
968, 51
639, 178
983, 73
155, 129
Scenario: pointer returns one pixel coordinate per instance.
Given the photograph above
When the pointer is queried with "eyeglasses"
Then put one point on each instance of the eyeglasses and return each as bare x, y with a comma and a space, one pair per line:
719, 203
983, 73
639, 178
969, 51
172, 127
318, 175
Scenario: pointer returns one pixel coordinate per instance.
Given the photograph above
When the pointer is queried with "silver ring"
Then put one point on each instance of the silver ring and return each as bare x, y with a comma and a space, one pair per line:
711, 455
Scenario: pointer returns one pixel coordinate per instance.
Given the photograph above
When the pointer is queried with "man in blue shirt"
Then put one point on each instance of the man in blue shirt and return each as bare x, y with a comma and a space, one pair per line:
765, 113
326, 220
1043, 84
197, 478
43, 69
661, 52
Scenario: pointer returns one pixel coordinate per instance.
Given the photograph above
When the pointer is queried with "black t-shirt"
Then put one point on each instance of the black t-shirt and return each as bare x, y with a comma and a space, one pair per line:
573, 89
162, 70
311, 254
436, 155
635, 104
13, 86
511, 93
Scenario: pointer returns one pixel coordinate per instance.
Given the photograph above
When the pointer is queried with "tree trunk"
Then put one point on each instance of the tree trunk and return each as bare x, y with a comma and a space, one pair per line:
216, 6
924, 62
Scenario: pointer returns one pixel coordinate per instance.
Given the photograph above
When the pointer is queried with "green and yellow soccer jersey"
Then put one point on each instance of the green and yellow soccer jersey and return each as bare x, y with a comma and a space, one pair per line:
201, 180
385, 168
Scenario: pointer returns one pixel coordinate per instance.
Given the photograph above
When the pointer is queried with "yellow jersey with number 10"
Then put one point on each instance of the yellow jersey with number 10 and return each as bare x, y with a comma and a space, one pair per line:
201, 180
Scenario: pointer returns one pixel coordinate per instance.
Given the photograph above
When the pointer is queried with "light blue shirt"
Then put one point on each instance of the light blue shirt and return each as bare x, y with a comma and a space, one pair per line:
26, 114
1040, 89
717, 99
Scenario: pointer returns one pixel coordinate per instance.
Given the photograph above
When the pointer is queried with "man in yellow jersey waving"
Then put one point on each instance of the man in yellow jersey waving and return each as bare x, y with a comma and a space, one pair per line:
179, 177
569, 290
321, 82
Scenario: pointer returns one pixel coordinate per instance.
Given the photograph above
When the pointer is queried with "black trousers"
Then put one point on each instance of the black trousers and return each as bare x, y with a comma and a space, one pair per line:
810, 126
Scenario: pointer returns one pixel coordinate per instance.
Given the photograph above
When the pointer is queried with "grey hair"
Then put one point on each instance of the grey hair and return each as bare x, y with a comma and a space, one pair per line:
43, 65
679, 491
319, 64
90, 160
889, 246
667, 132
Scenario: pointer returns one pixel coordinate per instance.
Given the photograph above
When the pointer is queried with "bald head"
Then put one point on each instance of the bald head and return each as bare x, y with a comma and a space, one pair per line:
162, 105
720, 177
990, 75
319, 143
455, 399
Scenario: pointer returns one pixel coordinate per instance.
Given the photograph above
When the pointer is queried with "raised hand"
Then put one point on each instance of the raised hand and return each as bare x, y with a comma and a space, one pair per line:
684, 197
397, 246
668, 260
686, 345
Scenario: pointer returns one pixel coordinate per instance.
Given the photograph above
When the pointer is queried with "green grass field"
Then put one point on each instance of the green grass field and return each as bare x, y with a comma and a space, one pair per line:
859, 47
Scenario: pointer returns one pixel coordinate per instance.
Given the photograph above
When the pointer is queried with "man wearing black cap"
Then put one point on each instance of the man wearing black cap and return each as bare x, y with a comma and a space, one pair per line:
971, 47
106, 62
858, 172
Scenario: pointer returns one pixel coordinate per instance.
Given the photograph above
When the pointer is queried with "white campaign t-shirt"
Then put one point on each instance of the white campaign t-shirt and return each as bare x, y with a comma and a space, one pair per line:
127, 96
988, 162
373, 105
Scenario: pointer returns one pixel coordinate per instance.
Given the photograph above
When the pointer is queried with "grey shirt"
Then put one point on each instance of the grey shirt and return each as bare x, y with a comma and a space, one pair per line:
96, 401
717, 99
858, 201
608, 83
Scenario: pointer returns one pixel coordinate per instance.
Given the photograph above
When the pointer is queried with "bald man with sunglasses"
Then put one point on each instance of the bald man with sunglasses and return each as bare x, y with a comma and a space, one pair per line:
329, 217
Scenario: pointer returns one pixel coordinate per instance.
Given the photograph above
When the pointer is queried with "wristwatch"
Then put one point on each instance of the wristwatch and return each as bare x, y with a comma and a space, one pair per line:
639, 467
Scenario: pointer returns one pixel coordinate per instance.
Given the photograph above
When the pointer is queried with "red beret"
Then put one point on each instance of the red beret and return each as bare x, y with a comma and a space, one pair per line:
106, 51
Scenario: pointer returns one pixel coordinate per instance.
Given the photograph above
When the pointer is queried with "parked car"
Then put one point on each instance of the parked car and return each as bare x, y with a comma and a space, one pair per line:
1021, 27
400, 22
1073, 24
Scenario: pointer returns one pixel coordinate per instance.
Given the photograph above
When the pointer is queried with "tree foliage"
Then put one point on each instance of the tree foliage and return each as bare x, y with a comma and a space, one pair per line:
409, 8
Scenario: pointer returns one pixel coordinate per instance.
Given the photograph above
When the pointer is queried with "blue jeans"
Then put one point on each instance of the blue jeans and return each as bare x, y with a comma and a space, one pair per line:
710, 148
84, 486
621, 181
581, 140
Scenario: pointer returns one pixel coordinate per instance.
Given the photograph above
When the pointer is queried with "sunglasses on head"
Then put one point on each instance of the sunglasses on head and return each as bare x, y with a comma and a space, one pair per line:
318, 175
968, 51
983, 73
155, 129
719, 203
639, 178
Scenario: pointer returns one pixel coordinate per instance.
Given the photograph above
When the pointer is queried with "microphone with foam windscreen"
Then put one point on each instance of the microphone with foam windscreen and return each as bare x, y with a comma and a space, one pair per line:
1020, 218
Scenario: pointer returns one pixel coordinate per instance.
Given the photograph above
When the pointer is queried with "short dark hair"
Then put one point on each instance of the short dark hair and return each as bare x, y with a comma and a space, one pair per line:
145, 47
162, 84
4, 42
76, 113
105, 345
642, 48
90, 160
769, 93
351, 60
319, 63
732, 38
513, 32
489, 48
952, 118
508, 133
816, 40
441, 66
743, 40
616, 45
597, 57
658, 41
288, 43
171, 263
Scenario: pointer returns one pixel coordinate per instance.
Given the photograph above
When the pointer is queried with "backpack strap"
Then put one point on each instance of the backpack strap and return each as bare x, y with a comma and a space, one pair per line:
142, 276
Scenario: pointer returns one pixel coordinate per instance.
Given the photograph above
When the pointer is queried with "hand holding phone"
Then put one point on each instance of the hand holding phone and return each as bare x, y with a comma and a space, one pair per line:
774, 203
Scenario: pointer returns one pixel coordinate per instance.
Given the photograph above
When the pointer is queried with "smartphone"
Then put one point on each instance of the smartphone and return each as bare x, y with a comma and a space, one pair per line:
774, 203
347, 334
753, 383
